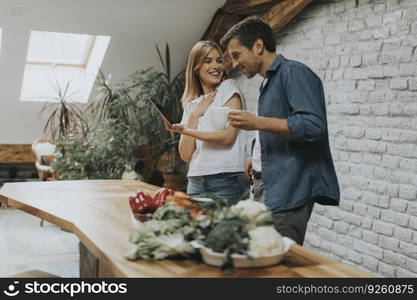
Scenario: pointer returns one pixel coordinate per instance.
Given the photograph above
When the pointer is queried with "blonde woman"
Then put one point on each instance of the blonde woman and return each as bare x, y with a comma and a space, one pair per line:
216, 157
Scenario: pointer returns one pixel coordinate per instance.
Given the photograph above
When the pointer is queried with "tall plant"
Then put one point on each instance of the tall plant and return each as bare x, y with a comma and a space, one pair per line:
64, 116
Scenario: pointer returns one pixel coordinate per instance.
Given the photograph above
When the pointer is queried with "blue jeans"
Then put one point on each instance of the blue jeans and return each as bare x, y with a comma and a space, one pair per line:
230, 186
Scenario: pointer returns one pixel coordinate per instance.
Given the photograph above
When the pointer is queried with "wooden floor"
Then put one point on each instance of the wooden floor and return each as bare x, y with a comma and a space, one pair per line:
25, 245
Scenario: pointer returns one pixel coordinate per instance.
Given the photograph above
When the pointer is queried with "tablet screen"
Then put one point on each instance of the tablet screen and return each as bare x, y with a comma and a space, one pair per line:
161, 114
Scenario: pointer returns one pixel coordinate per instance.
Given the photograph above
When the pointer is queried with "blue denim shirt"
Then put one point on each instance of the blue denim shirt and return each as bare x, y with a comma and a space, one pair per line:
296, 170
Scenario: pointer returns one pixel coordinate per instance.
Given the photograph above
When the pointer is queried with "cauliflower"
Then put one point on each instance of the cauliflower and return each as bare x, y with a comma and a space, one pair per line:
265, 241
253, 212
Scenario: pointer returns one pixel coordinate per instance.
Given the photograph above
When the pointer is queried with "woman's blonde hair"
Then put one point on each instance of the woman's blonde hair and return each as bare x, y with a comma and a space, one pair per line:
198, 54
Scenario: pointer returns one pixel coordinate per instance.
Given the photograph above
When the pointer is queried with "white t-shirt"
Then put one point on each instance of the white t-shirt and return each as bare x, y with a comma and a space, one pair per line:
212, 158
256, 154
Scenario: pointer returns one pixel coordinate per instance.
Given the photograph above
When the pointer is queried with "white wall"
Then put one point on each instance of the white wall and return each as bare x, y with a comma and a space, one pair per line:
365, 53
134, 25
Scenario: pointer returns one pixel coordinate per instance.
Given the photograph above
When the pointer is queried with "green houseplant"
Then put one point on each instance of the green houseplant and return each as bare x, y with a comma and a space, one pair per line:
125, 129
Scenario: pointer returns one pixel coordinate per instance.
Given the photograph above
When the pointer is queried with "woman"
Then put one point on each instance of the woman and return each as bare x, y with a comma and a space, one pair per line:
216, 157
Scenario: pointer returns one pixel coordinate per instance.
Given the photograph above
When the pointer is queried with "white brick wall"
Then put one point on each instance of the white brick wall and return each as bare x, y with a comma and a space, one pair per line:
365, 53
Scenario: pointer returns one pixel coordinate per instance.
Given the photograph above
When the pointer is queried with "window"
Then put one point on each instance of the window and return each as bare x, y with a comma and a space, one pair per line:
56, 59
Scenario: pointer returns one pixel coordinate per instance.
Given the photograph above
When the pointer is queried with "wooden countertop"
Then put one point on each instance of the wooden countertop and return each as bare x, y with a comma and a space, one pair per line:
98, 212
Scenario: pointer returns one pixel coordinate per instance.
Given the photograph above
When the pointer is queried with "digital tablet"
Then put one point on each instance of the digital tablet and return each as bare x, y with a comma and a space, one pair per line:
161, 114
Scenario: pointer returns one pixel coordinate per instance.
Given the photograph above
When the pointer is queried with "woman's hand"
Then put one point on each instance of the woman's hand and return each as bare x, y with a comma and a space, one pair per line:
178, 128
204, 104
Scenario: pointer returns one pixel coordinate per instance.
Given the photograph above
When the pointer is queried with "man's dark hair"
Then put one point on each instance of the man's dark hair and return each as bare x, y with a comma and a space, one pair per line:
248, 31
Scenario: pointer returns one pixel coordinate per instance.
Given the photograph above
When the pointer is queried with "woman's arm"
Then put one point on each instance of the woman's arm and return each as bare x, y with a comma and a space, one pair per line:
225, 137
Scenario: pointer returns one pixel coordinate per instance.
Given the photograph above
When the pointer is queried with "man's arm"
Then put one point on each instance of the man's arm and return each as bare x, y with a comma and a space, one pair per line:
245, 120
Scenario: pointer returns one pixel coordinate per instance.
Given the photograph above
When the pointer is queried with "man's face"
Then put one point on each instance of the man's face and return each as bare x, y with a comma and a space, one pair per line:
243, 58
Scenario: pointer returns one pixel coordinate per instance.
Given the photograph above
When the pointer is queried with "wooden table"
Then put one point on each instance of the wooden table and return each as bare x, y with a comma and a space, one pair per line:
97, 211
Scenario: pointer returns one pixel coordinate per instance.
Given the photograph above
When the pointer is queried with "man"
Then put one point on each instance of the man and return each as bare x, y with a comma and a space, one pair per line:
294, 165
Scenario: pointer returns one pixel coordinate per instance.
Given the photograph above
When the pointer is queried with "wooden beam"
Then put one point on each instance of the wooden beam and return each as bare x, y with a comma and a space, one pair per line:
219, 25
281, 14
248, 7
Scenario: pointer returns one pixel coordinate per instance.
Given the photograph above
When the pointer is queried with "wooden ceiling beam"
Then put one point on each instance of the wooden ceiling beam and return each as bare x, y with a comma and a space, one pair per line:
248, 7
282, 13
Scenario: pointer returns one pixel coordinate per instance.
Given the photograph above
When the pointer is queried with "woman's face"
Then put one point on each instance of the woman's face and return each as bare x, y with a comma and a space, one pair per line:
211, 72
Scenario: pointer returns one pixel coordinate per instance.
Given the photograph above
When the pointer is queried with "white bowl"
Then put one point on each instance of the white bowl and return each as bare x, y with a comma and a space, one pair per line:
242, 261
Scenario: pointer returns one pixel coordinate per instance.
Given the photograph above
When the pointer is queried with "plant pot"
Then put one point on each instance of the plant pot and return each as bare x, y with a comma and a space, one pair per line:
176, 182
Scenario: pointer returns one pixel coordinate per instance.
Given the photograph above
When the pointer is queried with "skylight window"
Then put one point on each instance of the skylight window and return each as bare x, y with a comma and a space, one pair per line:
56, 59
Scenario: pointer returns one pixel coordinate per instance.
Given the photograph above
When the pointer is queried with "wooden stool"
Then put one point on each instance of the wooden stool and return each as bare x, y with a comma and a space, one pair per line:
34, 274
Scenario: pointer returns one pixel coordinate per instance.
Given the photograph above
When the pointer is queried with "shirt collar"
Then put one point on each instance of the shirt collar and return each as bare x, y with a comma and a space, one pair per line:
275, 64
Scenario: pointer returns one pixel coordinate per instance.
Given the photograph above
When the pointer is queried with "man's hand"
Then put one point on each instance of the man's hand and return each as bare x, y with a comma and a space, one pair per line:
243, 119
248, 172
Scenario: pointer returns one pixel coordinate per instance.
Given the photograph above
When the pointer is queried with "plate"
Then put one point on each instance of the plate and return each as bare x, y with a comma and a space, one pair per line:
242, 261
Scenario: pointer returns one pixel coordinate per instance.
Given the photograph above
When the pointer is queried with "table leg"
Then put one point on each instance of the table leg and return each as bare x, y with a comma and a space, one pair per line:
88, 263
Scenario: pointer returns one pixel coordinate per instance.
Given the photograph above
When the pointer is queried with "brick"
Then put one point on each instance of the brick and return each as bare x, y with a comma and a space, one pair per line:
410, 109
381, 33
368, 249
394, 259
341, 227
345, 240
388, 243
404, 55
407, 164
408, 249
408, 69
314, 239
355, 157
408, 192
370, 237
371, 59
356, 25
355, 232
324, 221
339, 250
327, 234
374, 159
399, 84
356, 145
354, 256
373, 21
376, 186
388, 216
413, 222
390, 161
402, 273
367, 224
356, 61
354, 132
374, 212
370, 198
373, 134
402, 219
371, 263
399, 205
383, 174
383, 201
376, 146
359, 209
403, 234
366, 85
379, 8
400, 177
383, 228
352, 219
412, 208
346, 206
386, 270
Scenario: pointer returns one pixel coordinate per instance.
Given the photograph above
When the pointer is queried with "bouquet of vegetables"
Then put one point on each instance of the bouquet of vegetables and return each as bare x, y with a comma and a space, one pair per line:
243, 228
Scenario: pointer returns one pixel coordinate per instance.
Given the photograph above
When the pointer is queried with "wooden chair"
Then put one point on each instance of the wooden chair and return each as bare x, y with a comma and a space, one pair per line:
44, 153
